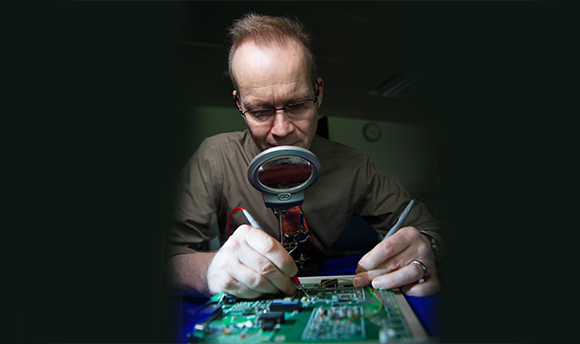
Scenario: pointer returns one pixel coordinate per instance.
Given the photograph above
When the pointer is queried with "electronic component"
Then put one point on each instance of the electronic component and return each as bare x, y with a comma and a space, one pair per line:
285, 305
269, 320
335, 323
228, 299
331, 311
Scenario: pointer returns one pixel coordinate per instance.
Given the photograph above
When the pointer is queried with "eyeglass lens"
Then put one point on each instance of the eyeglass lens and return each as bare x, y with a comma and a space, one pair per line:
294, 110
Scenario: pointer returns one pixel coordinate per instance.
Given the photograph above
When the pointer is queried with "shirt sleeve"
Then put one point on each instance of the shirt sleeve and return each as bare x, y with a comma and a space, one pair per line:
385, 200
194, 199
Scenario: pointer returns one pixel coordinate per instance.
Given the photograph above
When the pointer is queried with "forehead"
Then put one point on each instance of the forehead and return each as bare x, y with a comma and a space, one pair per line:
272, 69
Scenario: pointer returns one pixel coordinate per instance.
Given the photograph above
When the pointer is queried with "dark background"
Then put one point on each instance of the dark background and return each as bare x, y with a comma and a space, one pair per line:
100, 91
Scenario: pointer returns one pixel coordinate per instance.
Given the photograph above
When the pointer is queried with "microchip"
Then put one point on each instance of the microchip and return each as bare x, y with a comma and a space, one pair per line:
272, 316
344, 298
268, 325
285, 305
269, 320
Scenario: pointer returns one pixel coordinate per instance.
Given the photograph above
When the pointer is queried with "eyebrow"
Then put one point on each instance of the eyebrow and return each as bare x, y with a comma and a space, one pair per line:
258, 104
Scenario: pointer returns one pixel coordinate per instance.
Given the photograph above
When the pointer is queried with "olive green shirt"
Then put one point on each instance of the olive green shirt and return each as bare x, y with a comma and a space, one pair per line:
215, 180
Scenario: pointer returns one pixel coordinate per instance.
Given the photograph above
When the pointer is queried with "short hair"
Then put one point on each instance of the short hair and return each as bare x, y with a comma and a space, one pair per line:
267, 29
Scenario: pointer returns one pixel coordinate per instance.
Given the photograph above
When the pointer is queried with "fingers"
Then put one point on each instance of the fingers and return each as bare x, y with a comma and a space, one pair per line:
272, 250
266, 264
250, 264
389, 249
230, 283
412, 279
385, 279
430, 286
389, 265
244, 282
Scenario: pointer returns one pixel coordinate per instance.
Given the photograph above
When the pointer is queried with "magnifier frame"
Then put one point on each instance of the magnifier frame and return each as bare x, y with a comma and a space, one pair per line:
285, 198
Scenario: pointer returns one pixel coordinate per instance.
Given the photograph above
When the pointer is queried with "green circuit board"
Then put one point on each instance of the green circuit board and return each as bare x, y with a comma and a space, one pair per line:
330, 311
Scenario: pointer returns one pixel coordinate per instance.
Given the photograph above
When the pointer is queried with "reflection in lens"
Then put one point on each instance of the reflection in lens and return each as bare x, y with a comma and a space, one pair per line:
284, 172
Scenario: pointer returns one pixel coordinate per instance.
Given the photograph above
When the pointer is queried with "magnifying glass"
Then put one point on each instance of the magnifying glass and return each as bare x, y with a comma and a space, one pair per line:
283, 174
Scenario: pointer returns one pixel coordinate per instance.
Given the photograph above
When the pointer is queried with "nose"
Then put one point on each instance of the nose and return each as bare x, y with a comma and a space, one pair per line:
282, 125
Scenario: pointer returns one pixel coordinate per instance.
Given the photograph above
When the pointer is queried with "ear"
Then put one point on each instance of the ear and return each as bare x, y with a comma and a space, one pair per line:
320, 90
236, 99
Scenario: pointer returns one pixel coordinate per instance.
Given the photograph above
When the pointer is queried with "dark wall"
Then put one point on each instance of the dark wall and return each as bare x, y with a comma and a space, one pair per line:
104, 111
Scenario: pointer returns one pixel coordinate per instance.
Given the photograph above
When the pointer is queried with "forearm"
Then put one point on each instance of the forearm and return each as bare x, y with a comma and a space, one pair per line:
186, 274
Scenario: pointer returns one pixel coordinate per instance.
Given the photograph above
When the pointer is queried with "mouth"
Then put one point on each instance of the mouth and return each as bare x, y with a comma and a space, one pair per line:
285, 144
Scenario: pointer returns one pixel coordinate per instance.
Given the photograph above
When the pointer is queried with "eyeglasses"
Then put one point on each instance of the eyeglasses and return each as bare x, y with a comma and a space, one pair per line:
294, 110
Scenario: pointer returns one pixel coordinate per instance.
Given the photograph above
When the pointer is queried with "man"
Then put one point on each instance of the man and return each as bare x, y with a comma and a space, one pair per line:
272, 67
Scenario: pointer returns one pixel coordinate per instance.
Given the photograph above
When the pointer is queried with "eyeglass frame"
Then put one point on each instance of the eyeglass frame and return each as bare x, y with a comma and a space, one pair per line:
243, 113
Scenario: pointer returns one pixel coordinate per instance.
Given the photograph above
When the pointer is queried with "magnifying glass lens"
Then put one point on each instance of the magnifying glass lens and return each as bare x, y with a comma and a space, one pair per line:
284, 172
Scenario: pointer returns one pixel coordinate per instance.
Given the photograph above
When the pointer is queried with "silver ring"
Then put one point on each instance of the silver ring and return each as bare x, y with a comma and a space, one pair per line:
421, 265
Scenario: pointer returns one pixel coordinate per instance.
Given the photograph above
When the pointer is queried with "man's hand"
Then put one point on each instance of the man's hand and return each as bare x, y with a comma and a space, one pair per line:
251, 263
388, 265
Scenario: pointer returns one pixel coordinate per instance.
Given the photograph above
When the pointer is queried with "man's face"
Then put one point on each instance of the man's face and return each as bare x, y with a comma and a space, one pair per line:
272, 77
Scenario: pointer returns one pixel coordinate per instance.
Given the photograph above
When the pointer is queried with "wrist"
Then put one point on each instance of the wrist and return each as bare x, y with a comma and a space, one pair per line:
436, 244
